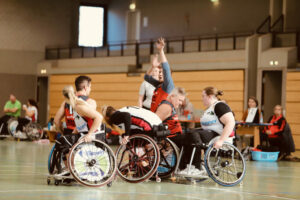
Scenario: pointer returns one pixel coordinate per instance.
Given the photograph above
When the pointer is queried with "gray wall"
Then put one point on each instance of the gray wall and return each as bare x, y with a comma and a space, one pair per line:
26, 28
189, 17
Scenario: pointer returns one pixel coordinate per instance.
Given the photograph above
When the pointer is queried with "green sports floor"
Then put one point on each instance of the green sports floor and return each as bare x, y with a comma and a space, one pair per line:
23, 175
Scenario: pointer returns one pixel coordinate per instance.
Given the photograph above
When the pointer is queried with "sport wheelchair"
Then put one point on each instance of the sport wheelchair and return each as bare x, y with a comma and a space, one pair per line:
91, 164
145, 157
226, 166
32, 131
142, 157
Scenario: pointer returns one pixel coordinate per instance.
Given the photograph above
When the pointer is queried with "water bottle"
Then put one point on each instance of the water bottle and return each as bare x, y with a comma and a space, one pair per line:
261, 120
49, 126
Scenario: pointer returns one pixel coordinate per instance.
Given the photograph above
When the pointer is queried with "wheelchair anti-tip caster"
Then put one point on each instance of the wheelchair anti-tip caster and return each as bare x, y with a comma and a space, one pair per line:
109, 184
48, 181
158, 180
56, 182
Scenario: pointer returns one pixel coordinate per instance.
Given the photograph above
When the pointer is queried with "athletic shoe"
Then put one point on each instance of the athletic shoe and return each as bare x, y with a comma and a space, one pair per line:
65, 172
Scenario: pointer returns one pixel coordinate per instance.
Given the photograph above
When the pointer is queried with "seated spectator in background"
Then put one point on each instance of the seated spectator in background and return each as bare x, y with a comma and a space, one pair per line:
147, 89
31, 114
279, 135
12, 108
252, 114
31, 110
186, 112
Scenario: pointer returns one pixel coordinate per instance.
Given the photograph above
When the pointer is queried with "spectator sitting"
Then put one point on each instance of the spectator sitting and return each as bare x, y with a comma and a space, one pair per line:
12, 108
252, 107
278, 135
31, 114
186, 111
147, 89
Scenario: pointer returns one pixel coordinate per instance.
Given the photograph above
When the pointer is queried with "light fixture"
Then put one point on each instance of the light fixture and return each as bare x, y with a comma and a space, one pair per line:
132, 6
43, 71
271, 62
215, 2
276, 62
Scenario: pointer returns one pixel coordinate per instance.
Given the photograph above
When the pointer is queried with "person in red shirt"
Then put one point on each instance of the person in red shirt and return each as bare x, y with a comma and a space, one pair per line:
274, 132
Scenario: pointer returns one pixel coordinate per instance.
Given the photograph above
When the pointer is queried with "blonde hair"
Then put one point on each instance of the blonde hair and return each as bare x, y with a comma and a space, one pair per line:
70, 96
178, 91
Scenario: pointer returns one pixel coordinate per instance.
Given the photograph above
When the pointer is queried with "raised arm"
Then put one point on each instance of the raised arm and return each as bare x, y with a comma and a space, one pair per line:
168, 84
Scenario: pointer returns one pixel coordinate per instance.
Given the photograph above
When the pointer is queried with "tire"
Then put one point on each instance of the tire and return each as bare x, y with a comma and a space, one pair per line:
138, 160
225, 166
92, 164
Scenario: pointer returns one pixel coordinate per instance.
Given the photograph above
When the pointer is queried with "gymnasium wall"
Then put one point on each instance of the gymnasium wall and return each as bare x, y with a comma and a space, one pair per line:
293, 104
27, 27
120, 90
190, 17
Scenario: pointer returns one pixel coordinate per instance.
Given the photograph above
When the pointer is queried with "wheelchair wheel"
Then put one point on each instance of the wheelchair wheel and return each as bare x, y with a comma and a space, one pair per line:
34, 131
55, 162
12, 126
226, 166
138, 159
169, 154
92, 164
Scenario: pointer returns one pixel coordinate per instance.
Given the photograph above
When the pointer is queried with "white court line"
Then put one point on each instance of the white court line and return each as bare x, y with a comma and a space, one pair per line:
112, 192
160, 194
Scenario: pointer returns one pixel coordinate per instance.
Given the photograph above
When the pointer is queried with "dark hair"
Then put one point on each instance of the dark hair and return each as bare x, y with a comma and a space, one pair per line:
108, 112
80, 82
254, 99
33, 103
213, 91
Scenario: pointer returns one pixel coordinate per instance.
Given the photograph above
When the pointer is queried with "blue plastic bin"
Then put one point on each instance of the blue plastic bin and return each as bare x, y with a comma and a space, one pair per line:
265, 156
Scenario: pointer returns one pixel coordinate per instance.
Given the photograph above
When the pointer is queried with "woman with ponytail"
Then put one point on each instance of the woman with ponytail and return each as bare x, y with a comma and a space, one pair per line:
87, 120
218, 119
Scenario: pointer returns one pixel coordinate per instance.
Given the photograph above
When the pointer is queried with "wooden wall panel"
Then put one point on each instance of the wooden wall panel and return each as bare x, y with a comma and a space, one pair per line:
293, 104
120, 90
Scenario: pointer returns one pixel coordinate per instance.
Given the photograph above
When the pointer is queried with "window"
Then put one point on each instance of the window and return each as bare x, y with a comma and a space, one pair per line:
91, 26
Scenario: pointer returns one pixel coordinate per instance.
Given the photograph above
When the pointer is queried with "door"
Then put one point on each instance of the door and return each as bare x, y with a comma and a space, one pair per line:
42, 99
271, 92
133, 25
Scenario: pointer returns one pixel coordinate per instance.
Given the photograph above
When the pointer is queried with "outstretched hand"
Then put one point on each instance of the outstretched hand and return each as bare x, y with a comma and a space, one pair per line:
160, 44
155, 62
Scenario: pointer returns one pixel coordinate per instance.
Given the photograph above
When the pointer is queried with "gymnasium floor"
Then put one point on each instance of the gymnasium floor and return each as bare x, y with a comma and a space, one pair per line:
23, 172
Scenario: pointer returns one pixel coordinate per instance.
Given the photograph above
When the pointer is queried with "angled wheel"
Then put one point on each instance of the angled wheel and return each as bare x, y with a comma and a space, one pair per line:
12, 126
34, 131
92, 164
55, 162
138, 160
226, 166
169, 154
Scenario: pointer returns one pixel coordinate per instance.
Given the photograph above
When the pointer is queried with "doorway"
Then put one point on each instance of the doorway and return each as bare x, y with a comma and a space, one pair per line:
42, 99
133, 25
271, 92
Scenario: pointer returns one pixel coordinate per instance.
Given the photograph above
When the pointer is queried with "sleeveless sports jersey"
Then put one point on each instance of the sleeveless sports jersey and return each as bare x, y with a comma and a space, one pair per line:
210, 121
173, 123
141, 118
69, 118
83, 124
158, 96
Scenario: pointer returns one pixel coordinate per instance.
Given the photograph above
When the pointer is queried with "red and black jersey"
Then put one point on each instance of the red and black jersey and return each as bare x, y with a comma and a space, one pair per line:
159, 95
277, 127
172, 121
69, 118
